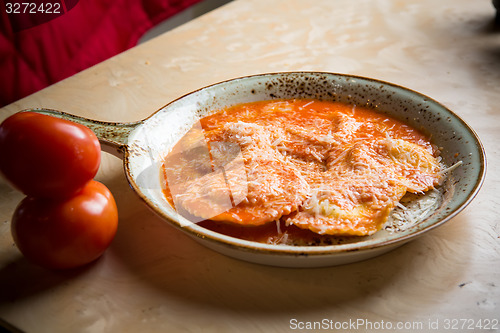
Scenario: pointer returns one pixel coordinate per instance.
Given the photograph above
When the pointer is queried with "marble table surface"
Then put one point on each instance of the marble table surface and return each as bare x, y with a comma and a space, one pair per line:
153, 278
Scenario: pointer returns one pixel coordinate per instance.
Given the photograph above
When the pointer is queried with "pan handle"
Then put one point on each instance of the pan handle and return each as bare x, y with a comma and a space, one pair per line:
112, 136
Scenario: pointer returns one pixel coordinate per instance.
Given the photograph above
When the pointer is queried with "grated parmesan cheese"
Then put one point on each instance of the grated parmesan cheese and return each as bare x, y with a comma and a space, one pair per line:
329, 168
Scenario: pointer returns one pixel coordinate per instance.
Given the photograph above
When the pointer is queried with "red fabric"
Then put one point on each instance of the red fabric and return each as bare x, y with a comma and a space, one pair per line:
88, 32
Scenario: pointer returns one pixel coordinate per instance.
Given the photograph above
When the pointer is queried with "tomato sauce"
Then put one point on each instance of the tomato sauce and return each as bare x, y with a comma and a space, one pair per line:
307, 146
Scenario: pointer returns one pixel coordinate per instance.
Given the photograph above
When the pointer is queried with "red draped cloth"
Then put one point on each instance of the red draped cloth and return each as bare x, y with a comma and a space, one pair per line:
41, 45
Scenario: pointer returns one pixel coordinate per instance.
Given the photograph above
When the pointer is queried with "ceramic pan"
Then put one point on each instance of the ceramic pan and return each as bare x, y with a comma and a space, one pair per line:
143, 145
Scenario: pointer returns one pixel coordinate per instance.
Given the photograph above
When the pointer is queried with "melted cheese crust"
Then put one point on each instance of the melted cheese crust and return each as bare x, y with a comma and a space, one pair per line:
327, 167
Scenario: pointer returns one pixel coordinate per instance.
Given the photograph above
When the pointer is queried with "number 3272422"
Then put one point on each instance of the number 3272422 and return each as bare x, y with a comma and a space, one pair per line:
33, 8
471, 324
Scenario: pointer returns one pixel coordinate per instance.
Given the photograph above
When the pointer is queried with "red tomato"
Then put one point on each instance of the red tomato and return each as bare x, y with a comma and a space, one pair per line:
67, 233
45, 156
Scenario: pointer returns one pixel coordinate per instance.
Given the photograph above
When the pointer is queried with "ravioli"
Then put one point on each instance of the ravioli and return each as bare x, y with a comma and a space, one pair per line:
251, 186
327, 167
361, 189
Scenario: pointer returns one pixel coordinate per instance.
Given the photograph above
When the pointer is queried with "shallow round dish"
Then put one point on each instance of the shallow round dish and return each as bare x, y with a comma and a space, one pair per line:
145, 143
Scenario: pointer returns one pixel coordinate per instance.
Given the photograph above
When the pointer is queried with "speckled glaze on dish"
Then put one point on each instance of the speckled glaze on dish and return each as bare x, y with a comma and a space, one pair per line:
144, 144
